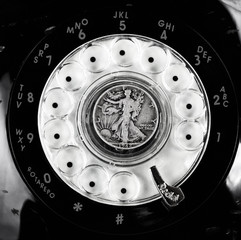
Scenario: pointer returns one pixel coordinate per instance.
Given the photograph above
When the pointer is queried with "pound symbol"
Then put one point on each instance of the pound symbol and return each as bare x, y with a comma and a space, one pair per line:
119, 219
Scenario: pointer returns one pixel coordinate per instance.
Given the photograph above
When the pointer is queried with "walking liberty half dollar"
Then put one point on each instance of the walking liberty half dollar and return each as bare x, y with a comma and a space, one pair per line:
125, 117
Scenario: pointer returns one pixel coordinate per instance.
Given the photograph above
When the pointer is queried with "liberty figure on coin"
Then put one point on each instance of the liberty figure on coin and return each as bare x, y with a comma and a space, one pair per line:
124, 128
123, 116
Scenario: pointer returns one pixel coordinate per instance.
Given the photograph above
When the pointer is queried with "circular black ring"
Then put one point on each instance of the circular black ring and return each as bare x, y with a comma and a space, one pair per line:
47, 186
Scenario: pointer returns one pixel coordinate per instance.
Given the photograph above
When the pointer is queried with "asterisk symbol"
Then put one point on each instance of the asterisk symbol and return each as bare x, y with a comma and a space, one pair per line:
15, 211
78, 207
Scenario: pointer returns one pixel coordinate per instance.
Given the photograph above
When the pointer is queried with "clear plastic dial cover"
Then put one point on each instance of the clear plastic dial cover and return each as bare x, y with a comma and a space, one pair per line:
117, 106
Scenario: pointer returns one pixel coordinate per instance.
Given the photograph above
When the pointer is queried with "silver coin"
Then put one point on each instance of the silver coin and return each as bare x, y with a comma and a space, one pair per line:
125, 117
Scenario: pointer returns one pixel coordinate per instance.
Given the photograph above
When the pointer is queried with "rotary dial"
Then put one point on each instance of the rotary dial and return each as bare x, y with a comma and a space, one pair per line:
117, 106
122, 110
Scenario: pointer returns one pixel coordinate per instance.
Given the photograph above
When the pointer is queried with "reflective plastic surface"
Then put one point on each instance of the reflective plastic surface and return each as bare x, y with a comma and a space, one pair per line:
13, 192
123, 104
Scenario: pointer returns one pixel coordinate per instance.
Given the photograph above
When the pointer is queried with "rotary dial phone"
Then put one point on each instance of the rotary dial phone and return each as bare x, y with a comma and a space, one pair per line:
124, 118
